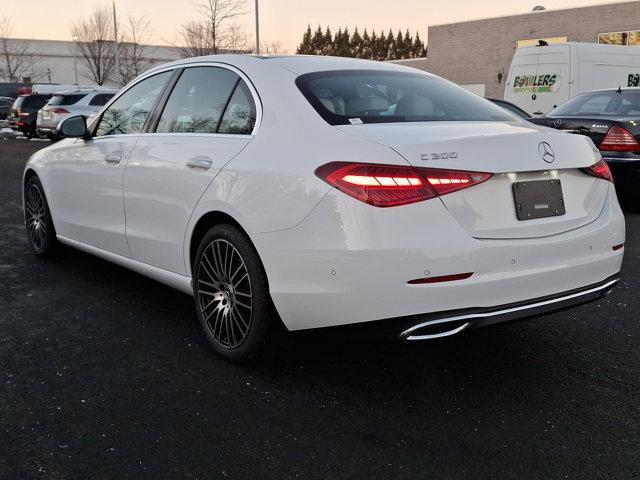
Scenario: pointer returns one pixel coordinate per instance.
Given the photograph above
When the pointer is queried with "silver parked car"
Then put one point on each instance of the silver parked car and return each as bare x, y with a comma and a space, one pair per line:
65, 104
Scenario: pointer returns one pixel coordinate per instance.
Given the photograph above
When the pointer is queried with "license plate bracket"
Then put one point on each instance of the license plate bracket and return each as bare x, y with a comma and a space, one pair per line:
538, 199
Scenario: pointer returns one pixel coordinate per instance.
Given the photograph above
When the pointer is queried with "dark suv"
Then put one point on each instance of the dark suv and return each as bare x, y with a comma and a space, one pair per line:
6, 103
25, 111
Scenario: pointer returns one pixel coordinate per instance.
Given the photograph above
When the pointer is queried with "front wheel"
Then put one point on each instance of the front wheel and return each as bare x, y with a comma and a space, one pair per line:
37, 218
232, 295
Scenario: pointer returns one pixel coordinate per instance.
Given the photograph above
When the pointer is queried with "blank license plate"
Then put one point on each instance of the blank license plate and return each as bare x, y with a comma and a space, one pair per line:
538, 199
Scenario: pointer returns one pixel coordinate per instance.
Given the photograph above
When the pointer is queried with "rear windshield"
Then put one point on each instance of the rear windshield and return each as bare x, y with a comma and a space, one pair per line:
66, 99
373, 96
31, 101
601, 103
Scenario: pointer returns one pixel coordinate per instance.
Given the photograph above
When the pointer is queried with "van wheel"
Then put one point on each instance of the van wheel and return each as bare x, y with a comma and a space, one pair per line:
232, 296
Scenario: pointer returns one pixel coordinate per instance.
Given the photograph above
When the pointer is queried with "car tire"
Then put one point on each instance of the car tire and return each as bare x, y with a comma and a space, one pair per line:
232, 296
37, 218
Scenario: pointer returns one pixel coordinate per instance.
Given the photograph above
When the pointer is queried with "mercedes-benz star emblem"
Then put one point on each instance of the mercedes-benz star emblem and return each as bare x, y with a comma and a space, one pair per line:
546, 152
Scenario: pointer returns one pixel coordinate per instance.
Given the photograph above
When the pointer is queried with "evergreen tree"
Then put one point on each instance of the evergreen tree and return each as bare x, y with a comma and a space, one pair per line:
343, 48
375, 45
327, 47
366, 45
407, 45
397, 52
388, 49
317, 41
419, 49
305, 47
356, 44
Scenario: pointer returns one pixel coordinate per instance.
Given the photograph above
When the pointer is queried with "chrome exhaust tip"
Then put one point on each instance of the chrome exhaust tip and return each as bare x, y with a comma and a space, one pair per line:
434, 329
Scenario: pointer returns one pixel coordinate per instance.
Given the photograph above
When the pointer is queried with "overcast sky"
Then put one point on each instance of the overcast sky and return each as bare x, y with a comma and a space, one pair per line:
281, 20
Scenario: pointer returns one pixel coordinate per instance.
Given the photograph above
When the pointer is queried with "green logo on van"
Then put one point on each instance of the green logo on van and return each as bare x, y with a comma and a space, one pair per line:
535, 84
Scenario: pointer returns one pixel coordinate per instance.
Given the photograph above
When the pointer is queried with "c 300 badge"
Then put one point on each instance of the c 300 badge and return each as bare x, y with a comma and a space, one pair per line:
438, 156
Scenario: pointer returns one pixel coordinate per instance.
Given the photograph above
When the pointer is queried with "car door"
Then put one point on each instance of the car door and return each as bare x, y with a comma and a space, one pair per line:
88, 181
208, 119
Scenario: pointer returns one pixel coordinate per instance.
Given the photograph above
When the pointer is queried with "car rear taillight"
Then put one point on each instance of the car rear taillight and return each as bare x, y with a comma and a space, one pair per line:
618, 139
60, 110
22, 114
391, 185
600, 170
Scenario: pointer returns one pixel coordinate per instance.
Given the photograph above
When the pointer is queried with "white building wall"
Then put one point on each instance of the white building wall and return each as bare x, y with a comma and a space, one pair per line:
57, 62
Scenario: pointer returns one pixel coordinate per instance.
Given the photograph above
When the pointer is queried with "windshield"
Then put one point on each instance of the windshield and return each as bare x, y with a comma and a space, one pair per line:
600, 103
373, 96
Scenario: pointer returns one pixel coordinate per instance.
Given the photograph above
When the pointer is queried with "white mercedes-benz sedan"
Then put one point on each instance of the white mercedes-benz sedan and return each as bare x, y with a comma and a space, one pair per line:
313, 192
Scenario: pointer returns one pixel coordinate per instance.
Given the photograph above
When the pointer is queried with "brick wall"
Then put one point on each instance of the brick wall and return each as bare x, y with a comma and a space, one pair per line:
476, 51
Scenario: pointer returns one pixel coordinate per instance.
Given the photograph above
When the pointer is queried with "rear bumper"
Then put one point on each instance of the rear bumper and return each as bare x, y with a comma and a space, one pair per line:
50, 124
450, 323
350, 263
46, 132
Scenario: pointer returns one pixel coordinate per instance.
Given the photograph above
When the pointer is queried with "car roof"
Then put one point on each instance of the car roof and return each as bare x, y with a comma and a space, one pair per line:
84, 92
621, 90
297, 64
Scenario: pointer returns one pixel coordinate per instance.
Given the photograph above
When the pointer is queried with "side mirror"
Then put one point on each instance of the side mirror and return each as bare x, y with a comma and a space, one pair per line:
73, 127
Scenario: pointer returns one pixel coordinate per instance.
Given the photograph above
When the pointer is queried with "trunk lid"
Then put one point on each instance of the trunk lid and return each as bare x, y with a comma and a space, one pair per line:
592, 128
510, 151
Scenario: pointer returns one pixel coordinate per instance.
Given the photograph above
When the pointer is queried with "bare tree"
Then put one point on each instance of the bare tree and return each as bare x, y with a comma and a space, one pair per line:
215, 31
237, 41
272, 48
18, 58
134, 58
93, 42
193, 39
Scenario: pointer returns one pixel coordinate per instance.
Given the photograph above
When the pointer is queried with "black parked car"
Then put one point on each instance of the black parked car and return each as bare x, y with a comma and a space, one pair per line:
25, 111
611, 118
511, 107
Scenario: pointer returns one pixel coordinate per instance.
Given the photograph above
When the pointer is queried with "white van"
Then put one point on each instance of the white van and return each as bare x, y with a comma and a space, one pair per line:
541, 77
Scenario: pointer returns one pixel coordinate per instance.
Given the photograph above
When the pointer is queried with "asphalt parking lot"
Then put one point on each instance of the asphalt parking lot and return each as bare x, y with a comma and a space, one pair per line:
105, 374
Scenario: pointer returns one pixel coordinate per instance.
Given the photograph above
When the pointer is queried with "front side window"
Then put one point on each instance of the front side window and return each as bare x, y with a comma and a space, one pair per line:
128, 113
376, 96
198, 101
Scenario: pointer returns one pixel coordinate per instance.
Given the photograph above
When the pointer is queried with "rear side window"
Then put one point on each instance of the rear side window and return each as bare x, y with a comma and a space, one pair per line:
100, 99
34, 101
66, 99
376, 96
240, 116
198, 101
127, 114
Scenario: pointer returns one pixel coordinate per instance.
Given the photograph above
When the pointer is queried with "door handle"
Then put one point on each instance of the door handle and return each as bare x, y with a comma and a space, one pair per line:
113, 159
200, 162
